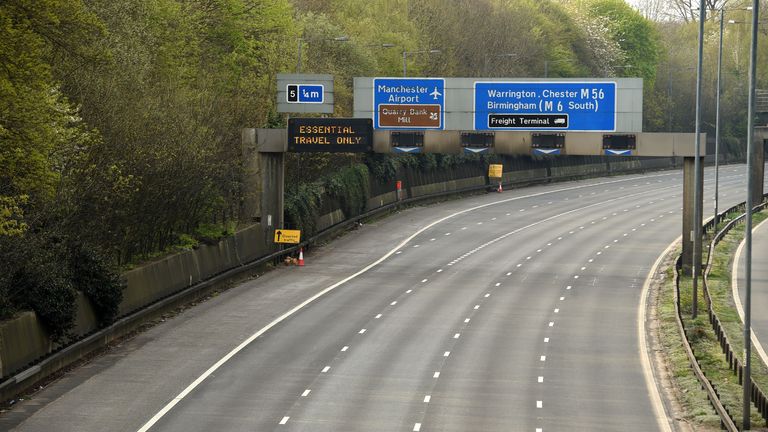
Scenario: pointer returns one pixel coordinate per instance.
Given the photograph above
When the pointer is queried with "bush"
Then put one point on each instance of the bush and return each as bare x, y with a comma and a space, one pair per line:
91, 274
351, 188
41, 282
303, 206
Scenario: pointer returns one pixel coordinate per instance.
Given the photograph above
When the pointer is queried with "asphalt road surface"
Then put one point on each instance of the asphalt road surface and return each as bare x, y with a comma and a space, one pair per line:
516, 311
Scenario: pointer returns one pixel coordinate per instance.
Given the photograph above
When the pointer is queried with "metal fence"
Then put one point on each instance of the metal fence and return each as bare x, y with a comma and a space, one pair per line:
735, 365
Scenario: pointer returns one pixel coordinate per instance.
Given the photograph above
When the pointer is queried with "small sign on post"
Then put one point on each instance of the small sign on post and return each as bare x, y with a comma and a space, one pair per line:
305, 93
287, 236
494, 171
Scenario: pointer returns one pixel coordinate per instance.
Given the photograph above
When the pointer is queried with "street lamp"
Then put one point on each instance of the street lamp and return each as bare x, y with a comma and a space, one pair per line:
697, 167
717, 115
747, 403
301, 40
489, 57
407, 53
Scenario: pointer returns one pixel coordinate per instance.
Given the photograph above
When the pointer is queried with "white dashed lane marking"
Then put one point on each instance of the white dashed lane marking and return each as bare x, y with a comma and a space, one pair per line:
284, 420
306, 393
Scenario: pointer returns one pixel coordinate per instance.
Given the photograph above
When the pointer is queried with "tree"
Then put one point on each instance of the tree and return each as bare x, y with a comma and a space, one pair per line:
38, 126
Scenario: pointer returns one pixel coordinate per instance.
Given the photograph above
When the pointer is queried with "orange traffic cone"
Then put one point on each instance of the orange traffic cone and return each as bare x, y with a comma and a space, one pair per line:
499, 189
301, 257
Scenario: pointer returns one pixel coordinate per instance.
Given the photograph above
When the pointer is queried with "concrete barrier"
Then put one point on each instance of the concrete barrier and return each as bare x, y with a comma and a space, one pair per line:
521, 176
330, 219
22, 341
381, 200
433, 188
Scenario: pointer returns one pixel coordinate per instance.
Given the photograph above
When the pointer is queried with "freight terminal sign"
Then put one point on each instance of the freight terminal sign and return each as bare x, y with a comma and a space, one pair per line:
567, 106
336, 135
409, 103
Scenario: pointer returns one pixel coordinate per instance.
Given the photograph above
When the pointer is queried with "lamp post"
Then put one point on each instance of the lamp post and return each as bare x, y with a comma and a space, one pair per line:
717, 115
697, 167
407, 53
301, 40
747, 403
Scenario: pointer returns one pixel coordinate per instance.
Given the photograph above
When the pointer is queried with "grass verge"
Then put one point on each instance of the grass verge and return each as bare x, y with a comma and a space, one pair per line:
711, 358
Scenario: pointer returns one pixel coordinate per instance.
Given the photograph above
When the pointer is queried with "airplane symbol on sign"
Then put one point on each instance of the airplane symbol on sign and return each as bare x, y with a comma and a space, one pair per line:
436, 94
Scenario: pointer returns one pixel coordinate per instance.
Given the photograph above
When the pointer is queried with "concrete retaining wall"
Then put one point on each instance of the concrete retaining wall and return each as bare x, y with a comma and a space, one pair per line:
23, 340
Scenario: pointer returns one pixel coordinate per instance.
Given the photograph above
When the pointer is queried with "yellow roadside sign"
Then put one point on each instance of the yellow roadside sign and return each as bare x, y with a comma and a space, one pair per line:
287, 236
494, 170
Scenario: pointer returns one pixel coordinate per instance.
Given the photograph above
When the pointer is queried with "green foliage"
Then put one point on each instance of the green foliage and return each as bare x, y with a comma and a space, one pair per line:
40, 280
350, 188
211, 233
37, 125
302, 207
92, 275
636, 35
12, 215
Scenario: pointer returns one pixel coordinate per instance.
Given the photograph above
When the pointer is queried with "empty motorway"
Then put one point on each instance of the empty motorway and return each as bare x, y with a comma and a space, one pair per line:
517, 311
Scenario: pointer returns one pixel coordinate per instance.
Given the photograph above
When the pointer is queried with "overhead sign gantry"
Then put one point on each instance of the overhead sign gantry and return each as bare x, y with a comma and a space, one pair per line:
511, 104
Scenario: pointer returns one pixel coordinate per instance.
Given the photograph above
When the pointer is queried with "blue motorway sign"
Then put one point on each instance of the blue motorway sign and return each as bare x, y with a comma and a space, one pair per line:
304, 93
536, 106
408, 103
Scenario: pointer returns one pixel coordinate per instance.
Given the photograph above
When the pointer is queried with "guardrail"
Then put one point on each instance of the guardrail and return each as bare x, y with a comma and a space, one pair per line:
757, 394
726, 421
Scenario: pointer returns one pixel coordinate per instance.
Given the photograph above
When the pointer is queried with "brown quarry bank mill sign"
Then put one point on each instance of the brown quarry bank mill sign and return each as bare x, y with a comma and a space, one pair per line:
336, 135
409, 115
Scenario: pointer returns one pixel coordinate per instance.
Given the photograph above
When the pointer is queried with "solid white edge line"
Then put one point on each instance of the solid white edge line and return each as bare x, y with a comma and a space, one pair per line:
737, 297
660, 411
169, 406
